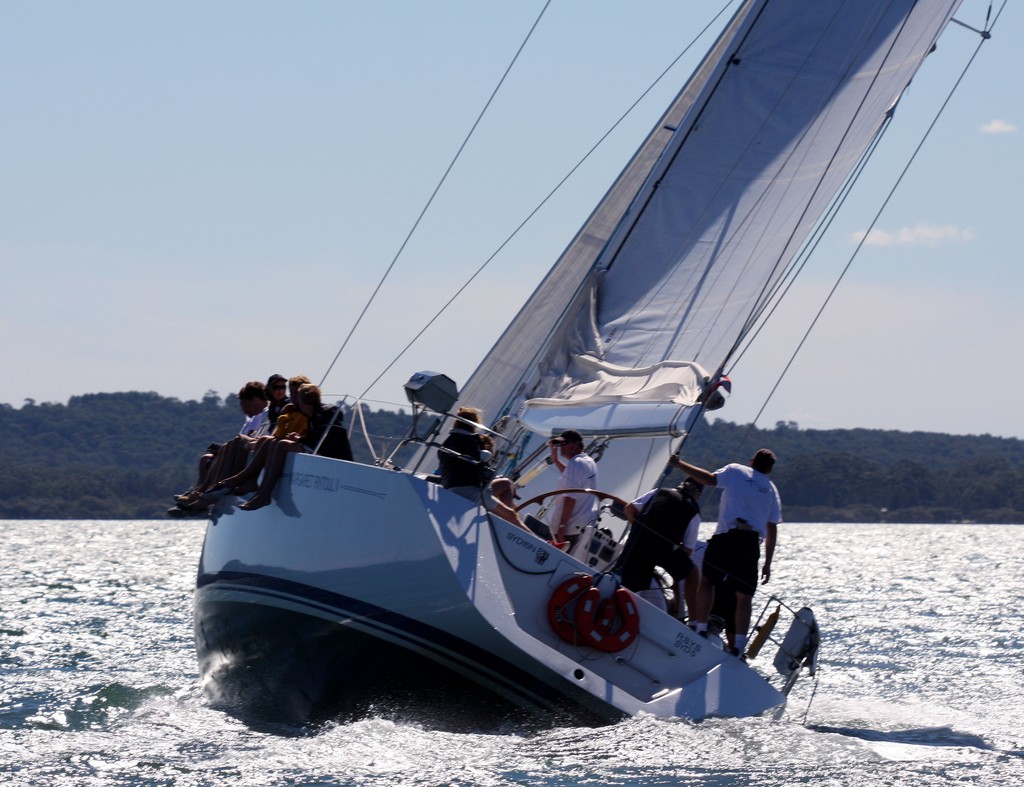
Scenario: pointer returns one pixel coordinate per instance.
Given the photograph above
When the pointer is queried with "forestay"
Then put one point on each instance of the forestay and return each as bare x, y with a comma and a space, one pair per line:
675, 265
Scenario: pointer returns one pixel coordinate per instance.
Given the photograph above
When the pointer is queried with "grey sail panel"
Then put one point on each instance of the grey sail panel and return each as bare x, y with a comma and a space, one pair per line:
676, 262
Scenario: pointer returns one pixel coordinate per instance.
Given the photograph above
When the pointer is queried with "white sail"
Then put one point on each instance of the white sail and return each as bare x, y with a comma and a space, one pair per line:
672, 269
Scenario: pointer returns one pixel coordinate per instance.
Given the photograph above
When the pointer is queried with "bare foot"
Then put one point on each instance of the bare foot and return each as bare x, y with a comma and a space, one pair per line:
256, 501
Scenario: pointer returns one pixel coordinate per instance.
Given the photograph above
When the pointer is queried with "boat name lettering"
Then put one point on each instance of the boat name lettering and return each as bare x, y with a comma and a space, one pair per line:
311, 481
687, 645
540, 553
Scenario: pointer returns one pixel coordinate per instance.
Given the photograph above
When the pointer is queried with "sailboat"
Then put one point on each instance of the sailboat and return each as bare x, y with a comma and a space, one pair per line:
363, 585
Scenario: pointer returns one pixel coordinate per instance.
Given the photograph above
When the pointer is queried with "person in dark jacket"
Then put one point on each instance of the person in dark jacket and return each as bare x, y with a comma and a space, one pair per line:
664, 529
463, 465
327, 435
463, 457
227, 458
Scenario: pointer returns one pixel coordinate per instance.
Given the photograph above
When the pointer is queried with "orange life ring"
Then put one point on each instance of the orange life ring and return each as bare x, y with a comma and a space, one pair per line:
609, 625
559, 615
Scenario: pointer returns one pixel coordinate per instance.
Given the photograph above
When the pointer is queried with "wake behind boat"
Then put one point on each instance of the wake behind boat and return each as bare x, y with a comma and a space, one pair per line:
362, 585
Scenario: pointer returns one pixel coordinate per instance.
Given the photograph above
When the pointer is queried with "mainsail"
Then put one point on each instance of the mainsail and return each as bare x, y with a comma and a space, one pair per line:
674, 267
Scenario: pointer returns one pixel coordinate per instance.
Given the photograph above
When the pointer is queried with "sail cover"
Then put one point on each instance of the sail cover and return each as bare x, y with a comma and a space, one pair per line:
674, 266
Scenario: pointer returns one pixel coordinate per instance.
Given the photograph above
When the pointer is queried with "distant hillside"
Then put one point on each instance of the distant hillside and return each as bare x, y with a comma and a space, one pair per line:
120, 455
871, 475
123, 455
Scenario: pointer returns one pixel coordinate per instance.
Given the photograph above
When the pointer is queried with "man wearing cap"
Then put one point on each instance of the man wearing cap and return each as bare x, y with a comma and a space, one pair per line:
277, 391
575, 510
748, 513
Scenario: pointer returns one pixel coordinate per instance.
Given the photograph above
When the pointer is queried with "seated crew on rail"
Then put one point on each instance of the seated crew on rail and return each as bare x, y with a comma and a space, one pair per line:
462, 461
325, 435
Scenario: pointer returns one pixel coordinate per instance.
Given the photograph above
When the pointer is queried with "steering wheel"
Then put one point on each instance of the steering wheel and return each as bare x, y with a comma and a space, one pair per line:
618, 501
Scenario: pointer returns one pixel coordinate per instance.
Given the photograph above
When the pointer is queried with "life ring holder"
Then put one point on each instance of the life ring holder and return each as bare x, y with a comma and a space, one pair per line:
575, 610
608, 625
562, 605
579, 616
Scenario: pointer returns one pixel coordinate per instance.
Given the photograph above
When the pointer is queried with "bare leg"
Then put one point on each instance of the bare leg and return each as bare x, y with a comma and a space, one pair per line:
252, 470
705, 600
271, 472
509, 515
691, 592
229, 460
743, 607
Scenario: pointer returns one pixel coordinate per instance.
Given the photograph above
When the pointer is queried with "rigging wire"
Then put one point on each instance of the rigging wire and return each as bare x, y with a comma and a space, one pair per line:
430, 200
769, 298
790, 277
984, 37
772, 283
758, 308
548, 197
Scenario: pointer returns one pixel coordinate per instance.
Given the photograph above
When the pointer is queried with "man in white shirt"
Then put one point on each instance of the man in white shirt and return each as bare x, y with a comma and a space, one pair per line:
575, 510
256, 413
748, 512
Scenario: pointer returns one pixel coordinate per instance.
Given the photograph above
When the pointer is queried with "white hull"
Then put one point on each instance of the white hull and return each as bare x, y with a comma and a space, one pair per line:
361, 585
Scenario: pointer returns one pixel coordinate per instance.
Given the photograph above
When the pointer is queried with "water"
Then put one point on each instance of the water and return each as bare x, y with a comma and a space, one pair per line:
922, 679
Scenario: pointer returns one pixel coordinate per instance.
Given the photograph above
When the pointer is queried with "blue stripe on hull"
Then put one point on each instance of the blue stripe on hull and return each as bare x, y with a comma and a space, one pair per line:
323, 656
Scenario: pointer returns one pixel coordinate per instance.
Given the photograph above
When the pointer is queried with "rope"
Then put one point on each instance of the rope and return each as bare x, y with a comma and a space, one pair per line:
814, 691
437, 188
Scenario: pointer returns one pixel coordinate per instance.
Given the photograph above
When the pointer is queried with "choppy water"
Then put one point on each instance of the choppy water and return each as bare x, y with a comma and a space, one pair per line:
922, 678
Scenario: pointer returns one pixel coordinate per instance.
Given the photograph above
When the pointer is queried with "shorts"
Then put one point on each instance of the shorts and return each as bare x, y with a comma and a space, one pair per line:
731, 560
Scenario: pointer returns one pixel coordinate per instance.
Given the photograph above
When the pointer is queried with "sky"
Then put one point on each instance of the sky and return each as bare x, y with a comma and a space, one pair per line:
196, 194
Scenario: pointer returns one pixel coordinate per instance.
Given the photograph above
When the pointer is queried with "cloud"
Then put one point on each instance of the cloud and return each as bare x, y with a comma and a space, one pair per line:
998, 127
919, 235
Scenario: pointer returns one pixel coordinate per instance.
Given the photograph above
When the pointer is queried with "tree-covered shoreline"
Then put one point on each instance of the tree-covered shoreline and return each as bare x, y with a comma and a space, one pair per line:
122, 456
